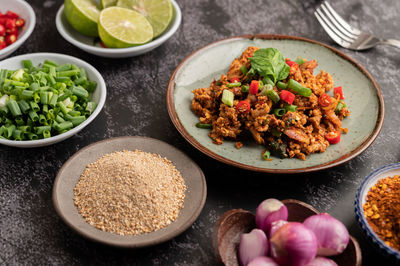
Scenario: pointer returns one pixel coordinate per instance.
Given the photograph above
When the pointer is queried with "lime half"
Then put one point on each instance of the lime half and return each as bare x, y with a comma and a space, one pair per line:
121, 28
83, 15
158, 12
108, 3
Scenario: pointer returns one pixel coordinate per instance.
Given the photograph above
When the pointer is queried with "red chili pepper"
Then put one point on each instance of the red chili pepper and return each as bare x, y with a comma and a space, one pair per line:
12, 31
243, 106
293, 66
253, 89
2, 30
10, 23
287, 96
10, 39
338, 90
325, 100
235, 79
11, 14
20, 22
3, 20
333, 137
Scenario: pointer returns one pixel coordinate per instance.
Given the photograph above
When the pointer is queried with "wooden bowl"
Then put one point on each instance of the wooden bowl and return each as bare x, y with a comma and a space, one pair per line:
232, 224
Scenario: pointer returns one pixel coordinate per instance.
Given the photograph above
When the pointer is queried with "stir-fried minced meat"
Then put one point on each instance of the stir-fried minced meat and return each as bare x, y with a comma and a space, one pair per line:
234, 69
293, 133
226, 125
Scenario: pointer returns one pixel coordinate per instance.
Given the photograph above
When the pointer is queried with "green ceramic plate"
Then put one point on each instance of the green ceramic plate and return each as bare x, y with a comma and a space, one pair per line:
362, 93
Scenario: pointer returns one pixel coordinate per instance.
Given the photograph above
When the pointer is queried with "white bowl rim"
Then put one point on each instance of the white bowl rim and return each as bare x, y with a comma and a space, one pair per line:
54, 139
159, 40
29, 30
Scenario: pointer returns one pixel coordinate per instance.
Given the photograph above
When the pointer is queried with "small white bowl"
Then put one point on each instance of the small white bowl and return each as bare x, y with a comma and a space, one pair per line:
88, 43
25, 11
99, 95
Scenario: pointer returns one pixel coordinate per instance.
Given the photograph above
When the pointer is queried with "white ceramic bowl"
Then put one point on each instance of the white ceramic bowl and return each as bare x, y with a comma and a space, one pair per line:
88, 43
99, 95
25, 11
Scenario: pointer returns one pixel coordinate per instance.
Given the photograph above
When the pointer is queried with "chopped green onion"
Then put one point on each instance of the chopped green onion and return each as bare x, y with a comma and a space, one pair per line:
24, 106
279, 112
227, 97
298, 88
300, 61
290, 108
245, 88
234, 84
266, 154
281, 85
202, 125
339, 106
14, 107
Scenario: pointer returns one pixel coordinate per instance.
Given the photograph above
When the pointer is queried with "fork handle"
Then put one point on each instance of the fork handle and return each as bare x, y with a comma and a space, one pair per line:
391, 42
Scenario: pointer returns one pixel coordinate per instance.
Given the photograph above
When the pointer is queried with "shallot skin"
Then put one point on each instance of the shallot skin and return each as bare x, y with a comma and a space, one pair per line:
293, 244
262, 261
252, 245
268, 211
331, 234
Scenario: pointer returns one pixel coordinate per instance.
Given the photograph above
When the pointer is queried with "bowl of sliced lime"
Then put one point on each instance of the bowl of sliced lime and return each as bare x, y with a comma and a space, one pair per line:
118, 28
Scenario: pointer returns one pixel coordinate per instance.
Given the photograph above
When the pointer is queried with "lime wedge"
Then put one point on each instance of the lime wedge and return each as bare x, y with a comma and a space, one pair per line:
158, 12
121, 28
83, 15
108, 3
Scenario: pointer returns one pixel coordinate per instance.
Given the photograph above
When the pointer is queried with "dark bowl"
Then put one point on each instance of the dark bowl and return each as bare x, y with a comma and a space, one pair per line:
236, 222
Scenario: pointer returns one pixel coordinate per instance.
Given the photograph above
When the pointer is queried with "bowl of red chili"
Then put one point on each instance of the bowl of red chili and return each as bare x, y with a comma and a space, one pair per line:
378, 210
17, 21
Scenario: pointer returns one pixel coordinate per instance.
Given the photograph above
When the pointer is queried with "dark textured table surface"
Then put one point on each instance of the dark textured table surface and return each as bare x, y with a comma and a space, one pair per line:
32, 233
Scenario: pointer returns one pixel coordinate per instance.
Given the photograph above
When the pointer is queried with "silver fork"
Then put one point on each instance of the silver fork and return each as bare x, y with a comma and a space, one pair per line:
344, 34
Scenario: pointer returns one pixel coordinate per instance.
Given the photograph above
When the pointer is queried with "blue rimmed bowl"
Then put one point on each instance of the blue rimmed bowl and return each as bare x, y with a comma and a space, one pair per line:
369, 181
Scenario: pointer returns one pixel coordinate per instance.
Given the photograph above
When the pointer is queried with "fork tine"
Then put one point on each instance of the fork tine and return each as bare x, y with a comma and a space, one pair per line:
336, 35
333, 26
340, 20
338, 26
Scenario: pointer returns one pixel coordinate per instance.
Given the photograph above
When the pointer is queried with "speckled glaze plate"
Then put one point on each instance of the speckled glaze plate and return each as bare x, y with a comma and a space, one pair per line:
69, 174
363, 98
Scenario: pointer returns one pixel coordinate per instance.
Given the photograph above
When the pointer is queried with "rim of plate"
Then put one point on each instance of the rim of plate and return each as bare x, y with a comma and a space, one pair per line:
176, 22
29, 30
104, 240
346, 157
54, 139
362, 191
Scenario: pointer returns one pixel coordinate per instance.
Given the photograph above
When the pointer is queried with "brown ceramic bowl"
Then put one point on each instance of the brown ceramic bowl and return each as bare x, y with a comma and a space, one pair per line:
235, 222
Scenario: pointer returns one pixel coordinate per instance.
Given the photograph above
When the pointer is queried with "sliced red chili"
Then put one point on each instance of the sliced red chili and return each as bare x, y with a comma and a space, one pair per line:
243, 106
338, 90
333, 137
11, 14
235, 79
2, 30
287, 96
293, 66
12, 31
10, 23
254, 85
325, 100
20, 22
10, 39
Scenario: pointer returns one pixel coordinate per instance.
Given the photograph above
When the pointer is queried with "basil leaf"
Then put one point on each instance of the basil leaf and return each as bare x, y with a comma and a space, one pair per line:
269, 62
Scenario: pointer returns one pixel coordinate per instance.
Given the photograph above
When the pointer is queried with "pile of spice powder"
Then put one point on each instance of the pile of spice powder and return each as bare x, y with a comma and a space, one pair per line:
130, 193
382, 210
